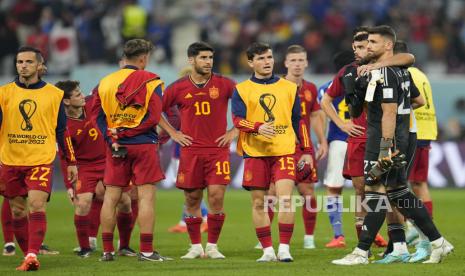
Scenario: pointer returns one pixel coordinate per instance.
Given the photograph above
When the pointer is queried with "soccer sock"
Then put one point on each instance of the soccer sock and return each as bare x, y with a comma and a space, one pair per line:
146, 243
309, 215
215, 224
135, 212
20, 229
82, 230
7, 222
373, 220
390, 246
285, 232
193, 228
107, 240
37, 228
397, 238
334, 213
358, 226
123, 221
264, 236
412, 208
429, 207
94, 217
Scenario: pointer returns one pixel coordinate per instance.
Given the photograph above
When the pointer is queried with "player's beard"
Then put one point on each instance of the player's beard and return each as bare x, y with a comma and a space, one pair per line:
201, 71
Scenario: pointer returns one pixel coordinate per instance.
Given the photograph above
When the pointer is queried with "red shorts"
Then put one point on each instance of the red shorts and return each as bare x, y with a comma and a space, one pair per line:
419, 171
312, 177
353, 163
198, 170
141, 165
2, 183
259, 172
21, 179
88, 177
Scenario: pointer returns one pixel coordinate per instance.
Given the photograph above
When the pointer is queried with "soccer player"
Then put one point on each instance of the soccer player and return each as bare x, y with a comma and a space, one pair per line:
387, 132
36, 122
127, 108
342, 86
89, 149
266, 110
202, 99
296, 62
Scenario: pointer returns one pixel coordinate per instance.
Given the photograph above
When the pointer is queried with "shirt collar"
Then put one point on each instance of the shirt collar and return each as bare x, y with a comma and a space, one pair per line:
269, 80
36, 85
130, 67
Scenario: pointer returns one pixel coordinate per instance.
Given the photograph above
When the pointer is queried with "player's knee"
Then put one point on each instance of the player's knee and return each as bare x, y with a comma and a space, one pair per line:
258, 204
18, 211
83, 207
36, 205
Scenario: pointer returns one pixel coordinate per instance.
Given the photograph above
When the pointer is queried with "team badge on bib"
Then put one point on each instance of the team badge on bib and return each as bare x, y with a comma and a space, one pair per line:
214, 92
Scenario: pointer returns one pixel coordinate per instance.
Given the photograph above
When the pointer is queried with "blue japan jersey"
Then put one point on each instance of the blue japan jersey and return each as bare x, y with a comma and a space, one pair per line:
334, 132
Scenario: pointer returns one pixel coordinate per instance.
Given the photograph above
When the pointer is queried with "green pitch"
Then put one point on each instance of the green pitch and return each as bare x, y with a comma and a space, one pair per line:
237, 244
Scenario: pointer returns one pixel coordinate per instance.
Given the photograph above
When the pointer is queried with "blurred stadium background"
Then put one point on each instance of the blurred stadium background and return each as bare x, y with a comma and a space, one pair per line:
82, 40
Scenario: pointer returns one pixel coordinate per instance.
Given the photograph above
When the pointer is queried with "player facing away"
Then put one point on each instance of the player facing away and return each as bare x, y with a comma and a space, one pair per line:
387, 135
202, 99
426, 132
89, 148
296, 62
127, 108
266, 110
36, 122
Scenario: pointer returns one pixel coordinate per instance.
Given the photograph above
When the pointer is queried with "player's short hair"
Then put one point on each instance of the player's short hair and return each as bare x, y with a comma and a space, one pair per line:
361, 37
195, 48
37, 52
67, 86
295, 49
340, 59
384, 31
401, 47
360, 29
136, 47
256, 48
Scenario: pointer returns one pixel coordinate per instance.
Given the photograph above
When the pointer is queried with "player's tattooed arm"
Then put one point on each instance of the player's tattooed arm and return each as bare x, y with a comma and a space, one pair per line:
400, 59
177, 136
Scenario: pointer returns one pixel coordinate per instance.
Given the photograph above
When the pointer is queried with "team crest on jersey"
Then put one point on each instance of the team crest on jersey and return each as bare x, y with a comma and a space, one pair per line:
214, 92
248, 175
308, 95
180, 177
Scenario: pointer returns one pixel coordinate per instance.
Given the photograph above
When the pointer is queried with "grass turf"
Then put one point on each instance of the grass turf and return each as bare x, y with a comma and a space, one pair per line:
237, 242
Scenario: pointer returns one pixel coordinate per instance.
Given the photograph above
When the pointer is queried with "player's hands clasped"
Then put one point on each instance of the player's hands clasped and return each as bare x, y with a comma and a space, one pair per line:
267, 130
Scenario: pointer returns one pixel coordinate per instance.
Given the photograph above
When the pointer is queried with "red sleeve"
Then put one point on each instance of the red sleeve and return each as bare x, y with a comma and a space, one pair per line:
315, 105
336, 89
304, 138
64, 170
230, 87
244, 125
168, 98
153, 112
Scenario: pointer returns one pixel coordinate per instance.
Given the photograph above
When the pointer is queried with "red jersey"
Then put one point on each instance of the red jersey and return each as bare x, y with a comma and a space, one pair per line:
203, 108
89, 146
308, 100
337, 89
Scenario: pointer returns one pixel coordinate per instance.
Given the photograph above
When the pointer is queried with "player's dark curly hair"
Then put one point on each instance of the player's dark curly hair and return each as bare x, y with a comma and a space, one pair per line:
195, 48
257, 48
67, 86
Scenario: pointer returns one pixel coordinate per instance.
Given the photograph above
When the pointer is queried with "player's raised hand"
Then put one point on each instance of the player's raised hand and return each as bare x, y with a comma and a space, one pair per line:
228, 137
72, 174
182, 139
352, 129
267, 130
322, 151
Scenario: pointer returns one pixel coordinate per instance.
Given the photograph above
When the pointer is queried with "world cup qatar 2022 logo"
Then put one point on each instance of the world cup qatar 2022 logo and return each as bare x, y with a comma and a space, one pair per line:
267, 102
27, 108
